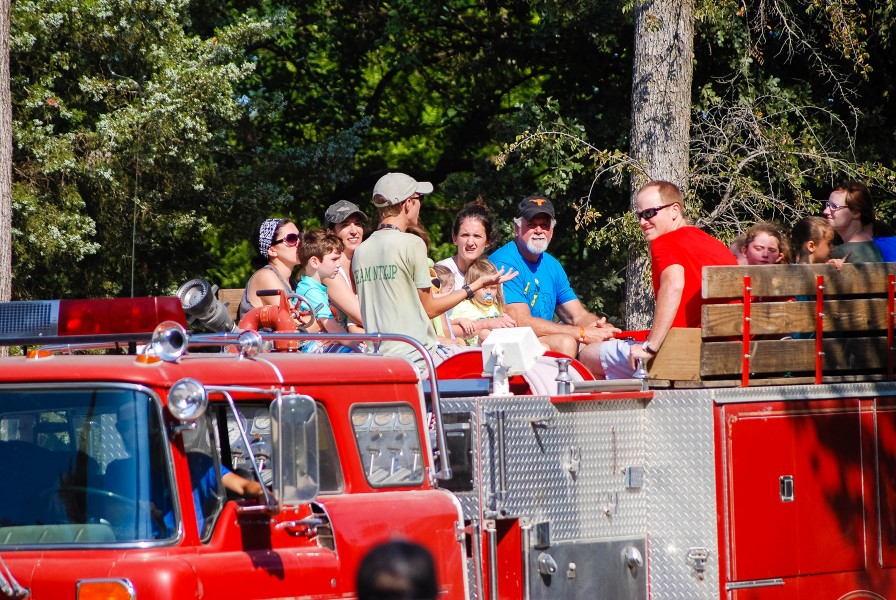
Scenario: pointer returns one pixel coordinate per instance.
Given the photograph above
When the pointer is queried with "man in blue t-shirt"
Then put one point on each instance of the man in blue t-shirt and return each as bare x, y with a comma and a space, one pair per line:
542, 290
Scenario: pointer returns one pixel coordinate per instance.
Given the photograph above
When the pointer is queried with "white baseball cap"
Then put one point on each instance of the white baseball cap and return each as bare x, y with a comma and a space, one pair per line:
398, 187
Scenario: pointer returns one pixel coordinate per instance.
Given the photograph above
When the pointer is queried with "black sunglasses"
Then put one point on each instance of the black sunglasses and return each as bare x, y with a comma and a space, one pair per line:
649, 213
290, 239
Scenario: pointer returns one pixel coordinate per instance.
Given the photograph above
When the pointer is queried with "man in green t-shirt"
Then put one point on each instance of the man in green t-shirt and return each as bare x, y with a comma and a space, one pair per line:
391, 271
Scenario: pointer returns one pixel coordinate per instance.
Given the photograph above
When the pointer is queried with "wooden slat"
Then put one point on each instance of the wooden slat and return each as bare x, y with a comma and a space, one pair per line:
797, 280
678, 357
795, 356
787, 318
232, 297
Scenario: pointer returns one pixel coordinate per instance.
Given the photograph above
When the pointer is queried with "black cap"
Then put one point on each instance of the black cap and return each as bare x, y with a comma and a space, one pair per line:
536, 205
342, 210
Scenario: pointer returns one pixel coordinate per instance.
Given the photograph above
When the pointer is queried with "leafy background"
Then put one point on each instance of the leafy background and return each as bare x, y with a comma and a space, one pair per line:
151, 137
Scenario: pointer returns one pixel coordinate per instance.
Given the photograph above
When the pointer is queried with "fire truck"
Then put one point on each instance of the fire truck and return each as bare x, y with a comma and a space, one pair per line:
742, 466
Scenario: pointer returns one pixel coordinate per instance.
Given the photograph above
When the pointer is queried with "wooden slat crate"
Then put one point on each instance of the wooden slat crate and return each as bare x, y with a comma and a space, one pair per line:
855, 326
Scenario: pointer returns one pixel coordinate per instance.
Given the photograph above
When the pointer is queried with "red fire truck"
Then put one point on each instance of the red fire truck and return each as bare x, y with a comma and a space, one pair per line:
762, 470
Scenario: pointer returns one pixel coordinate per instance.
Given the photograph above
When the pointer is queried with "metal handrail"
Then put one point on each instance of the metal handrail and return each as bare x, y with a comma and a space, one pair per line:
227, 339
69, 343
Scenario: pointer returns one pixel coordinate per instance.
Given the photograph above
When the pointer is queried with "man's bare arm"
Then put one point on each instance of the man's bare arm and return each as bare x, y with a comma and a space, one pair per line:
574, 313
520, 313
435, 306
242, 486
668, 298
594, 328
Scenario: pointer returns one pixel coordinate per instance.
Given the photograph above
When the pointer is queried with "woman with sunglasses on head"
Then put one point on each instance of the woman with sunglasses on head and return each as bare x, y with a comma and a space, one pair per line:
850, 212
276, 242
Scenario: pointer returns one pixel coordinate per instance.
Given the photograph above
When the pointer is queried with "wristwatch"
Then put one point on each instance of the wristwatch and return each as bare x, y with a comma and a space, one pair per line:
468, 290
646, 347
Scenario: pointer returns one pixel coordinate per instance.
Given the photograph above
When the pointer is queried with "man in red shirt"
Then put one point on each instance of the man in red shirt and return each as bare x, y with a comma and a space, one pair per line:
678, 253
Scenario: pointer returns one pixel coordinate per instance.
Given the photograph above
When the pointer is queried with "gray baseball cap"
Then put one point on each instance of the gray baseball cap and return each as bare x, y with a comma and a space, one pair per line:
341, 211
395, 188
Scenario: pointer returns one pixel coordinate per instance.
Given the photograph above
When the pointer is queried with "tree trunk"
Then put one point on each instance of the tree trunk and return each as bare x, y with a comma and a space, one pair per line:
661, 118
5, 157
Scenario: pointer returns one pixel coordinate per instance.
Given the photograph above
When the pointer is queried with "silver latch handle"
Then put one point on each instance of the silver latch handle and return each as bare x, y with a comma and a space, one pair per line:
632, 557
785, 483
546, 564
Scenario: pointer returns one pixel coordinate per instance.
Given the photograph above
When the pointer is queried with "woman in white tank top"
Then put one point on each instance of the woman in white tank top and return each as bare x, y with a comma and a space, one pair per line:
472, 234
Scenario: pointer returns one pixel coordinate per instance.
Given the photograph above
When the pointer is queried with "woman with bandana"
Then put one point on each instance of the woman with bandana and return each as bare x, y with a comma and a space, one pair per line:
277, 242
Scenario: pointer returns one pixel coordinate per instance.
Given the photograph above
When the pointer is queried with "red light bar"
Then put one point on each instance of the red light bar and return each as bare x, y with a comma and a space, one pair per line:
52, 318
118, 315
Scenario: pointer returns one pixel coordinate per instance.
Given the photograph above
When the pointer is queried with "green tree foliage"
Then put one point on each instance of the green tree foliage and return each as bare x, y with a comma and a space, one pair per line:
121, 119
789, 99
442, 85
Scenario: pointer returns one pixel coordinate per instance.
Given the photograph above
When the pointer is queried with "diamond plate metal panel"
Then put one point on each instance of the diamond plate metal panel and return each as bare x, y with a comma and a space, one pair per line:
680, 482
643, 470
564, 463
470, 502
803, 392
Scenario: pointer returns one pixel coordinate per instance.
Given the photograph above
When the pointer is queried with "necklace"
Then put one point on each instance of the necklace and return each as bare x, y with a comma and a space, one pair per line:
388, 226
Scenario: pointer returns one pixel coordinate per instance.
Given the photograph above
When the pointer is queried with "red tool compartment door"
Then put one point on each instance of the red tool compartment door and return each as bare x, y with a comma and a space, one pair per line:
886, 451
794, 488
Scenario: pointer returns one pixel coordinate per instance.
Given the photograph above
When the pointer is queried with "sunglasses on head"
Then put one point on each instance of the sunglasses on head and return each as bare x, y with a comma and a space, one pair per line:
290, 239
649, 213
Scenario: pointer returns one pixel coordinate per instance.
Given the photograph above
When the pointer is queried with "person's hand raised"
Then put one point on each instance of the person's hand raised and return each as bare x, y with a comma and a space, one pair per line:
496, 278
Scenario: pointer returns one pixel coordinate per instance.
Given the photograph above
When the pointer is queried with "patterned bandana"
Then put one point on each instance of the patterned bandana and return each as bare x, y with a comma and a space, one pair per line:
266, 236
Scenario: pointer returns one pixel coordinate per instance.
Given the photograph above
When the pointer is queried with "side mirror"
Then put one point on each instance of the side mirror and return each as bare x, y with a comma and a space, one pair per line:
296, 456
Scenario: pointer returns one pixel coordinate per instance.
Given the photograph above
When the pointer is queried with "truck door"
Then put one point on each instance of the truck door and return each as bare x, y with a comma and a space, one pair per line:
885, 457
255, 554
794, 489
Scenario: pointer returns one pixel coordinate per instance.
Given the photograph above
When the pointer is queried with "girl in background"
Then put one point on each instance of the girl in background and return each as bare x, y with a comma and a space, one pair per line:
765, 245
475, 318
472, 235
737, 248
813, 240
850, 211
443, 276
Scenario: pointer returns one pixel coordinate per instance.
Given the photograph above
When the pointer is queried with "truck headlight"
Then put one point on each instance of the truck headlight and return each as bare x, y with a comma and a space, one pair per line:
187, 399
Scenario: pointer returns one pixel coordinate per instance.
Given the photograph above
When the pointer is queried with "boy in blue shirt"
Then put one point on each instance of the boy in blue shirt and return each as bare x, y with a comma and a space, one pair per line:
319, 256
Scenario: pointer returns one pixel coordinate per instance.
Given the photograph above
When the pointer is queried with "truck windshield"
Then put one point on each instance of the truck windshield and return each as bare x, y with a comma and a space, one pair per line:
83, 466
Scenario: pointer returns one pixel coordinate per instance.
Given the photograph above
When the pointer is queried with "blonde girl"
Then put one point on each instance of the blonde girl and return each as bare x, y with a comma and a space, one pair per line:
474, 319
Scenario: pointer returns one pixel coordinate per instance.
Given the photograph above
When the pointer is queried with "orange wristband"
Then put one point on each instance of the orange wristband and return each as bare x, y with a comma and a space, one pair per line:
581, 335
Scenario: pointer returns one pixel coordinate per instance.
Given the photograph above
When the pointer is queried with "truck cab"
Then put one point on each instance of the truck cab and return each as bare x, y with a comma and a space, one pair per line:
115, 468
